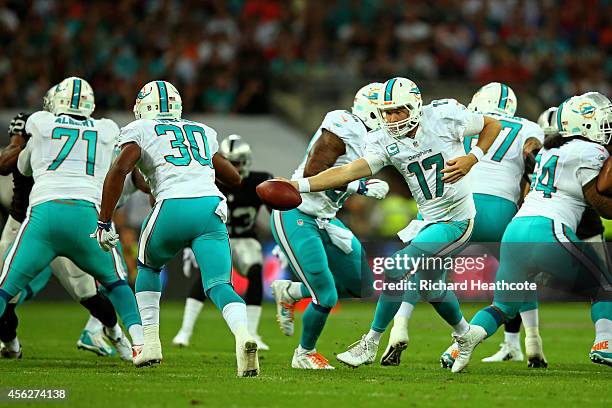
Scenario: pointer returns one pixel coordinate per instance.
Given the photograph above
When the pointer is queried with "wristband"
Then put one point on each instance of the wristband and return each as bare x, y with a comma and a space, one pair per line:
477, 152
106, 226
353, 186
303, 185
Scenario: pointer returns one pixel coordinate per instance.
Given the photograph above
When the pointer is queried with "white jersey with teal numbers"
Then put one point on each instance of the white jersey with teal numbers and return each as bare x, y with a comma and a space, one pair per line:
68, 158
439, 138
560, 174
351, 130
176, 156
499, 172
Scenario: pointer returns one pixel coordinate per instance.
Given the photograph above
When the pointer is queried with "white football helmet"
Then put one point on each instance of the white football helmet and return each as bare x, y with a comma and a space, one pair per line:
48, 99
583, 116
365, 105
400, 93
494, 97
237, 151
73, 96
548, 121
158, 100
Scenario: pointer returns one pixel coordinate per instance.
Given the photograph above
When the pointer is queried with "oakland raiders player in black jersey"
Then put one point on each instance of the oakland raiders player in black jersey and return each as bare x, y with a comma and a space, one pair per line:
243, 205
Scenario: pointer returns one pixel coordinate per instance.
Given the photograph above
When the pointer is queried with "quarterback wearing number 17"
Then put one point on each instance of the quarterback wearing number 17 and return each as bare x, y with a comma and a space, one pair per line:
425, 144
180, 161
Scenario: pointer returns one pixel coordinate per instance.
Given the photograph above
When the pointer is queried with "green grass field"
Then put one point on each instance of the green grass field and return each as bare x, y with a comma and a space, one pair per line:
204, 374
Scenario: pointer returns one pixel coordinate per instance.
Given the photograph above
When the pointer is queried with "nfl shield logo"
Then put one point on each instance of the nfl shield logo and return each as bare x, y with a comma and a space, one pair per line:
300, 222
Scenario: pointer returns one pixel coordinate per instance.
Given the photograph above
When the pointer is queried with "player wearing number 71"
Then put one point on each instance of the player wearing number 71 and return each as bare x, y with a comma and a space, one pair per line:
425, 145
179, 160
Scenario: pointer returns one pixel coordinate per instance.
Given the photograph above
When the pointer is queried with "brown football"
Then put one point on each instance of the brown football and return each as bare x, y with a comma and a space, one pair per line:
278, 195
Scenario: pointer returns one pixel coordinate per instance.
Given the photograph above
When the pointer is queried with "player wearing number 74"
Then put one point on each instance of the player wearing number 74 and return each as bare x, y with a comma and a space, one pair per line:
424, 143
179, 160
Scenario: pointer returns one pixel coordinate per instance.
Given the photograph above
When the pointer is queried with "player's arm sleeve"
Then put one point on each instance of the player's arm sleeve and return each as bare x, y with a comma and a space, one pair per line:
591, 163
131, 133
23, 162
340, 124
461, 121
376, 157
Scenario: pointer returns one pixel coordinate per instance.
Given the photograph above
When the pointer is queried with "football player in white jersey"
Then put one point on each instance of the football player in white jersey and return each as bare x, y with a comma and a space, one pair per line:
541, 236
179, 159
68, 154
328, 259
498, 183
425, 145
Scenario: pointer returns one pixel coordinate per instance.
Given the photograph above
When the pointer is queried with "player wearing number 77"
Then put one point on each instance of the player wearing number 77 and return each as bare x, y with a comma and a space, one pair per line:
178, 158
425, 144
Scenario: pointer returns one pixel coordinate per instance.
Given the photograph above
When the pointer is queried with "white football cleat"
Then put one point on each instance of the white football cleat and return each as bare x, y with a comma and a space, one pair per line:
95, 342
601, 352
359, 353
310, 360
6, 352
181, 339
447, 359
247, 357
260, 343
467, 343
121, 344
507, 352
535, 352
285, 306
398, 342
150, 352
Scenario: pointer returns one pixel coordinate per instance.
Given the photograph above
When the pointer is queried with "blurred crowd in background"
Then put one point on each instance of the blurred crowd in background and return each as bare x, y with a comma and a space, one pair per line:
226, 55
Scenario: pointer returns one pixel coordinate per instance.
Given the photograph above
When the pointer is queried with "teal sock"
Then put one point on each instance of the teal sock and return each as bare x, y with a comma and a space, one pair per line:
313, 321
386, 308
222, 295
448, 308
124, 302
601, 310
489, 319
148, 279
305, 292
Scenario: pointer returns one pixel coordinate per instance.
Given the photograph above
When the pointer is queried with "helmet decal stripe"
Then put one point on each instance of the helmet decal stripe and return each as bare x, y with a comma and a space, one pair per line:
559, 125
503, 98
76, 94
163, 96
389, 89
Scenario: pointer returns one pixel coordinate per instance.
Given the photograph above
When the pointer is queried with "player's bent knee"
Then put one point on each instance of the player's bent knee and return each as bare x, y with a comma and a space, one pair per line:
327, 299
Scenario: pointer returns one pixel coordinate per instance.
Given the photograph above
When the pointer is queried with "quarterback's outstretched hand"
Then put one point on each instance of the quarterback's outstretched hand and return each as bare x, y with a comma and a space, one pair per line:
374, 188
106, 236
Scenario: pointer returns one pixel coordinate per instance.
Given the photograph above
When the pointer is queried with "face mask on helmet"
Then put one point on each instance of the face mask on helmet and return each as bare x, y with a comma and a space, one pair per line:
494, 98
48, 99
238, 152
73, 96
365, 105
158, 100
399, 97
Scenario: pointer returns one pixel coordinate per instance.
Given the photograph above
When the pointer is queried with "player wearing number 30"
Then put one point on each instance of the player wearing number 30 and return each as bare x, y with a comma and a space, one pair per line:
178, 158
68, 155
425, 145
564, 183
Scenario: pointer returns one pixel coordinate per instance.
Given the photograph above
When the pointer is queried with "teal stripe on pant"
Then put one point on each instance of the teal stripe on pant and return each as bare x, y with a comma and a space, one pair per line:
178, 223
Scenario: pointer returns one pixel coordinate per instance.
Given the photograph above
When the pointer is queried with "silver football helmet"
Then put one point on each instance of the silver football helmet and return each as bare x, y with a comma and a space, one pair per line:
237, 151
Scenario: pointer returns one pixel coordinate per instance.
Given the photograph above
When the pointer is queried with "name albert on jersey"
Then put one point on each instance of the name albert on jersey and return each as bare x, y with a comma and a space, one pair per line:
499, 172
420, 160
67, 157
176, 156
351, 130
558, 179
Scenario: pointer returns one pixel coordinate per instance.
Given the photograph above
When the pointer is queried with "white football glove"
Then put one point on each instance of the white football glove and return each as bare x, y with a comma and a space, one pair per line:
106, 236
189, 262
282, 258
375, 188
